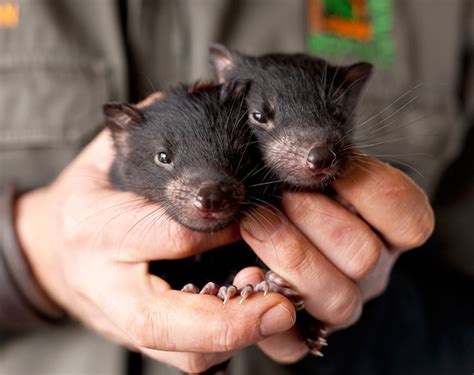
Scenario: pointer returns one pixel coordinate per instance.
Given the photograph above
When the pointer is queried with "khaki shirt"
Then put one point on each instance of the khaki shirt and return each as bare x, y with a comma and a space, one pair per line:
64, 59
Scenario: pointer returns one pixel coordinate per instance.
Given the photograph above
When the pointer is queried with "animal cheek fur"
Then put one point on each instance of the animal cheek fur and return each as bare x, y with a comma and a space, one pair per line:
285, 153
176, 192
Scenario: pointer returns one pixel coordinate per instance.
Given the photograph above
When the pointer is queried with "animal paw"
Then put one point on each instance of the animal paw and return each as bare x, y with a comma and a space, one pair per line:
225, 292
275, 283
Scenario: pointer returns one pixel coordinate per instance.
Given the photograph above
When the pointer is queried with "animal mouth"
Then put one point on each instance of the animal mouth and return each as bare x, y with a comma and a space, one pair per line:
311, 179
208, 221
317, 173
222, 215
325, 172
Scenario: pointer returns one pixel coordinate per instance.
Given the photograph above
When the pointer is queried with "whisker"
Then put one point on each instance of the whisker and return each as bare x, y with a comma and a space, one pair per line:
389, 105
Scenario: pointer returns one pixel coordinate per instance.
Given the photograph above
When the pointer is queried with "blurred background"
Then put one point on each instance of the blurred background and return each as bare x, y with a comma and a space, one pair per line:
61, 60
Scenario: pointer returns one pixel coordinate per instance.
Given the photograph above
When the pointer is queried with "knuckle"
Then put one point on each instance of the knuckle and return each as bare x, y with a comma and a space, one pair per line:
141, 328
228, 338
365, 252
293, 251
346, 307
341, 235
297, 261
391, 188
394, 190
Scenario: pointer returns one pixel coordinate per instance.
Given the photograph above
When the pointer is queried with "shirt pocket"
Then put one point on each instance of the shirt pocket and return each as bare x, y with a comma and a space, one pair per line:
49, 109
49, 102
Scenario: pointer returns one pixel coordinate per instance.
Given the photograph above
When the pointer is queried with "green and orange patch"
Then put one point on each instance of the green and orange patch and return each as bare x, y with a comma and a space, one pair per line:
359, 28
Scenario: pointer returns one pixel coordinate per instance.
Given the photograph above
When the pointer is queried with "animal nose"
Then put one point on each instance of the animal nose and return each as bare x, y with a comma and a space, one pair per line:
320, 157
212, 197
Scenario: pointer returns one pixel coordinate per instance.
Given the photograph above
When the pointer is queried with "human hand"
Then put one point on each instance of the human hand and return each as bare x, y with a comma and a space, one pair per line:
89, 247
336, 259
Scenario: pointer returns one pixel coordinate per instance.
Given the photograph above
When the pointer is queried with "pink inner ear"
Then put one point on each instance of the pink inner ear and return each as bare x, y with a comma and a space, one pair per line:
151, 99
358, 72
200, 86
222, 65
123, 119
222, 60
121, 116
131, 114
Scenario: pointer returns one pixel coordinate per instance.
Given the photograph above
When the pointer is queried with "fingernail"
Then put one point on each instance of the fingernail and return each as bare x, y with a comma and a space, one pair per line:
277, 319
262, 224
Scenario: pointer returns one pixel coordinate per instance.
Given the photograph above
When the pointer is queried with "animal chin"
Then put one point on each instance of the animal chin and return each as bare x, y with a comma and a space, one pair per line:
216, 216
307, 179
207, 226
207, 221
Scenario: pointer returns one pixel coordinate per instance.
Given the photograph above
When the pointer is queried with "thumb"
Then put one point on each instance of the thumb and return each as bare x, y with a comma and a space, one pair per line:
98, 154
166, 319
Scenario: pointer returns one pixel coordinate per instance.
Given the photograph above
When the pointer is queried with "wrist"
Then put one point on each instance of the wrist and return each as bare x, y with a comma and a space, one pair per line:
22, 295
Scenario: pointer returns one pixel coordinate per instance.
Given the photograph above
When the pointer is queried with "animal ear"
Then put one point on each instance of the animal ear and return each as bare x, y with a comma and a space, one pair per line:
350, 81
356, 76
222, 60
200, 86
234, 89
120, 116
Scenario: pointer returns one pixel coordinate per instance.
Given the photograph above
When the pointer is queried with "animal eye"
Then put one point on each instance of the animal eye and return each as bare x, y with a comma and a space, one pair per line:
258, 117
337, 113
162, 158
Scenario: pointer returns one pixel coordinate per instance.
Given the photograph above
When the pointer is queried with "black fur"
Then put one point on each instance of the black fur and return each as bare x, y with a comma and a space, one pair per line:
303, 103
306, 101
203, 130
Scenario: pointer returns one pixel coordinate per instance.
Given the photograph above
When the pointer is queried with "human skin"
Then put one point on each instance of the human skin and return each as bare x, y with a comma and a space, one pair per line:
332, 256
89, 247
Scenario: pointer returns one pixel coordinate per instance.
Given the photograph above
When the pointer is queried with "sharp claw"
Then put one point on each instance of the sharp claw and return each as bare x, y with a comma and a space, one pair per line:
231, 291
210, 288
245, 292
190, 288
318, 353
221, 292
276, 279
322, 341
259, 286
299, 305
227, 292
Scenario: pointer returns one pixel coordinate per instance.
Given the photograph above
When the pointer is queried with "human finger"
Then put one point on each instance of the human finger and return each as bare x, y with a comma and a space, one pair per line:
389, 201
329, 295
157, 317
344, 239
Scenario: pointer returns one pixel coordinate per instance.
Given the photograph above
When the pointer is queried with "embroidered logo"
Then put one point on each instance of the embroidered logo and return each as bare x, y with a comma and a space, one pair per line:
9, 14
359, 28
